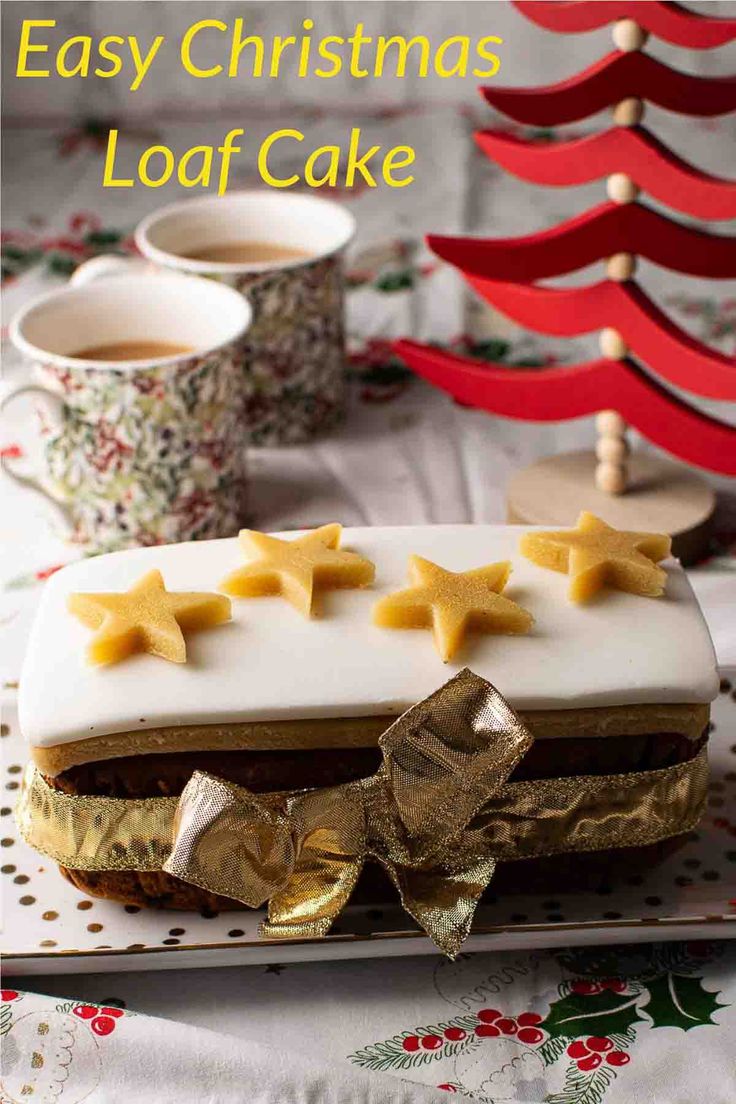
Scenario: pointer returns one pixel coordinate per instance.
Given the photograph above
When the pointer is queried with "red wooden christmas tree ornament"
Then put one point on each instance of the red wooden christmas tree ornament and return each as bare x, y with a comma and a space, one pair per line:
634, 151
593, 236
605, 83
671, 22
632, 327
571, 391
647, 331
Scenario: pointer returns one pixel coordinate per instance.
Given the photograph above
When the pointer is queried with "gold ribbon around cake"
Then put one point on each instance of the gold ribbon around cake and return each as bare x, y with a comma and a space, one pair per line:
438, 815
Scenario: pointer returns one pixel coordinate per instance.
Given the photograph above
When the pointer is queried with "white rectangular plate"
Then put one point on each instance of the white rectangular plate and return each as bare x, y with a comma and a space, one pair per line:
51, 928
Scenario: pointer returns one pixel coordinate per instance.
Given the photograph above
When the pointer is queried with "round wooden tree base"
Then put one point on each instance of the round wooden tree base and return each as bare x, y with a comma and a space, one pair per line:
662, 497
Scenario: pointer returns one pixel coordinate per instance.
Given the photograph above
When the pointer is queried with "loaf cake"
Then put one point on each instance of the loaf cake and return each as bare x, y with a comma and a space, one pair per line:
295, 689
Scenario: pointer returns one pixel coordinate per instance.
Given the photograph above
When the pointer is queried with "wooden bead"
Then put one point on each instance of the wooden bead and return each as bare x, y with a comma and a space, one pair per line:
610, 478
614, 450
609, 423
621, 267
629, 112
628, 35
621, 188
612, 345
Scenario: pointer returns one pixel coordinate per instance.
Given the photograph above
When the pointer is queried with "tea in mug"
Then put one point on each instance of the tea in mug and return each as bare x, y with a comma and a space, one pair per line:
132, 350
246, 252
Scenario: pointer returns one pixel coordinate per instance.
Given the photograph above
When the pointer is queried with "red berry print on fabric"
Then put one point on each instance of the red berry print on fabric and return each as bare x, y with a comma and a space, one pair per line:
9, 994
102, 1021
524, 1026
618, 1058
530, 1035
431, 1042
598, 1044
585, 988
616, 985
411, 1043
487, 1031
506, 1025
103, 1025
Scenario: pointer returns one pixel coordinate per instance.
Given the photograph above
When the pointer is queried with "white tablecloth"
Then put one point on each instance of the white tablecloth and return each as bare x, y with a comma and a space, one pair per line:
333, 1033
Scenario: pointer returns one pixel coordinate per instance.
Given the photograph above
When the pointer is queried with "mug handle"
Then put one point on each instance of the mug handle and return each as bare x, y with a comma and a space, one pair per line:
31, 481
108, 264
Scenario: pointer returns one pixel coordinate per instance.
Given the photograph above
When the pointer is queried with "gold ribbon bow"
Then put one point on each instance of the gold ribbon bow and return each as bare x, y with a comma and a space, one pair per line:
303, 853
438, 815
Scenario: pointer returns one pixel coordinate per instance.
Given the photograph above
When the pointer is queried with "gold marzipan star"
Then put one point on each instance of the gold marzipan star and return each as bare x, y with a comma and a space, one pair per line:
296, 568
453, 603
146, 618
595, 554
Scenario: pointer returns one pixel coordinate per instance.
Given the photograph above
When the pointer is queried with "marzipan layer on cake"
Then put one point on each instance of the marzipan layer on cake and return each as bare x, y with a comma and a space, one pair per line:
361, 732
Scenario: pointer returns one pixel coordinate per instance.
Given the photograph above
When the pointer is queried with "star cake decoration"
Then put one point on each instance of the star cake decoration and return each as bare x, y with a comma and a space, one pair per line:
595, 555
452, 604
146, 618
297, 569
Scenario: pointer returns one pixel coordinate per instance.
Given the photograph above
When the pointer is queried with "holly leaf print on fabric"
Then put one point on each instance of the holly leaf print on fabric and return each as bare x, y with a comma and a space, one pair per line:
596, 1014
678, 1001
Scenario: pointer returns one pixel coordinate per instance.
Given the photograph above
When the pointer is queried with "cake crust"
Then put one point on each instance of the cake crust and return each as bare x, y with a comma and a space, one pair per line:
166, 775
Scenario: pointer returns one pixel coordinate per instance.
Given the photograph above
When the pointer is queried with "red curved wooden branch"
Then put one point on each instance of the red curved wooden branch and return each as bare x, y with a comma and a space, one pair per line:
615, 77
653, 337
672, 22
606, 229
558, 394
632, 150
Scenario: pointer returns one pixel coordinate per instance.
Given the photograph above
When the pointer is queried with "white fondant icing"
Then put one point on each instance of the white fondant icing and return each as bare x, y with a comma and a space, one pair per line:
270, 663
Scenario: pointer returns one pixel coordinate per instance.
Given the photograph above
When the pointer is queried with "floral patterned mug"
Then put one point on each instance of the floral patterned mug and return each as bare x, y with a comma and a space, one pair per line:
294, 362
144, 451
